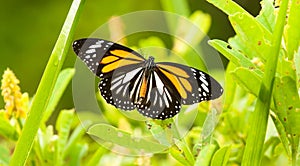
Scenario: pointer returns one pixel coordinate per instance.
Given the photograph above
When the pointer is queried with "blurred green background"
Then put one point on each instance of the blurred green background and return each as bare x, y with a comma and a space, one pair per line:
29, 30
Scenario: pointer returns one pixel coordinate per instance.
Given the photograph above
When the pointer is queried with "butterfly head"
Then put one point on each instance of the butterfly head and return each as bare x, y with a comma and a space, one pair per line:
150, 63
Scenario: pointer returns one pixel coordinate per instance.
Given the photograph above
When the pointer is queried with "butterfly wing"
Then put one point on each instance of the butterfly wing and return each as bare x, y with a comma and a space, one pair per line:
116, 65
102, 56
162, 100
192, 84
171, 85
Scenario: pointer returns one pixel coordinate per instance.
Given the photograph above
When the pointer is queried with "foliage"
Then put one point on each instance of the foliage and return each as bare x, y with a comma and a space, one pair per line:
243, 133
253, 55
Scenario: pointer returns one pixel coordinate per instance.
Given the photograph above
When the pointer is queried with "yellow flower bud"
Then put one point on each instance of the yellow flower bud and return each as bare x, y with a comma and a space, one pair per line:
16, 103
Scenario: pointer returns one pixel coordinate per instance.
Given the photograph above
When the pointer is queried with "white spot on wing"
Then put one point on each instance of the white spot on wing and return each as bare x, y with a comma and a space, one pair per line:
119, 89
202, 78
155, 98
114, 85
95, 46
131, 74
134, 88
116, 79
159, 83
168, 94
90, 51
204, 87
125, 89
150, 87
166, 100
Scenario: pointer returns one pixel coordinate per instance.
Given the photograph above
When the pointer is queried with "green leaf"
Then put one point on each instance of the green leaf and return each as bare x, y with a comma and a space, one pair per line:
297, 65
44, 145
209, 124
191, 30
230, 87
292, 37
95, 159
287, 102
46, 86
252, 36
76, 135
255, 37
189, 33
233, 55
229, 7
159, 133
63, 126
286, 68
205, 155
247, 79
202, 21
270, 146
221, 156
6, 130
282, 134
111, 134
4, 155
77, 154
178, 155
267, 15
182, 145
180, 7
61, 84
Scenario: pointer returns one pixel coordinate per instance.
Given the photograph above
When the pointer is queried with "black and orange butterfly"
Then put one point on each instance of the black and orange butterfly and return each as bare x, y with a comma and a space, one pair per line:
129, 81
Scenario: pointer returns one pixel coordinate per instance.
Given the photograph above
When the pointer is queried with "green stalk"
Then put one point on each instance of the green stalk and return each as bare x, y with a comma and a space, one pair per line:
259, 118
46, 86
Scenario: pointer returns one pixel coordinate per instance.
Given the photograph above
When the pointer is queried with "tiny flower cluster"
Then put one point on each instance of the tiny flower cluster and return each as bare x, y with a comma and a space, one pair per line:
16, 103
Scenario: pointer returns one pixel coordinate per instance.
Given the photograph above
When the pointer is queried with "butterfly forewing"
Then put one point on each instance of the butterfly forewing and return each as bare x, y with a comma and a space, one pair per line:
115, 64
102, 56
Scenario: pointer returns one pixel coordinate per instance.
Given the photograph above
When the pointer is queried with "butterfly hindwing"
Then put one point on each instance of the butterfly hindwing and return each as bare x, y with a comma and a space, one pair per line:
192, 84
162, 100
115, 87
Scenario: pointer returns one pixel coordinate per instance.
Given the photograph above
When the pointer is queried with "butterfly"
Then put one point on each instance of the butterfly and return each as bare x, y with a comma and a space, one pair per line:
129, 81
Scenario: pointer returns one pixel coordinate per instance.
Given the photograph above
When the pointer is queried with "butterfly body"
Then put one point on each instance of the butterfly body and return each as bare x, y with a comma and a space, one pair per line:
129, 81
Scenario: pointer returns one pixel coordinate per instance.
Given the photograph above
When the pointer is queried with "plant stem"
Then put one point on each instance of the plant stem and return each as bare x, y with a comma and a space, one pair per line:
259, 118
46, 86
295, 144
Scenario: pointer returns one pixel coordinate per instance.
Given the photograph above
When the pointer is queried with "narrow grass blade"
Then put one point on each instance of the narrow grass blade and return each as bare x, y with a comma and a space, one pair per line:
63, 126
255, 141
95, 159
46, 86
205, 155
61, 84
77, 154
76, 135
221, 156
